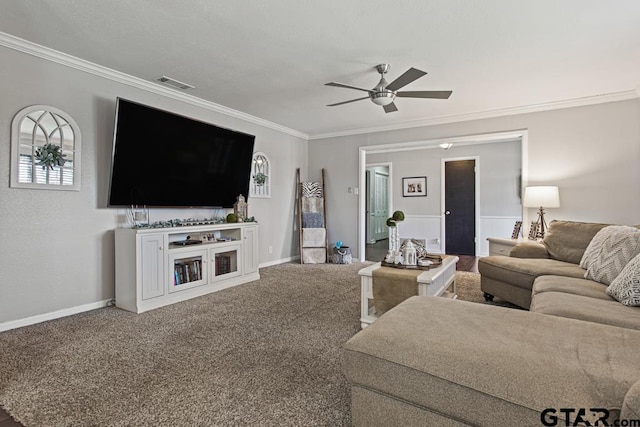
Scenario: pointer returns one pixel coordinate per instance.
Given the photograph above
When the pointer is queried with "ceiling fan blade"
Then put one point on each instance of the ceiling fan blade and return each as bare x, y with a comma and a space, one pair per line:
390, 108
435, 94
409, 76
347, 86
346, 102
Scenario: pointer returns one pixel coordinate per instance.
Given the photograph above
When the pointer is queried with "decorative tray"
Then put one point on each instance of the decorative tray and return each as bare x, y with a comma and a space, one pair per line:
435, 259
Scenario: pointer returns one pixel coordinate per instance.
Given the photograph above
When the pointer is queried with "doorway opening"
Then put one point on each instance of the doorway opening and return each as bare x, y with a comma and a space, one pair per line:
378, 208
434, 221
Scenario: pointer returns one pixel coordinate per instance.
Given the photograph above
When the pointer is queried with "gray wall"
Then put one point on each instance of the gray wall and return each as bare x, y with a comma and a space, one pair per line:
498, 168
57, 246
592, 153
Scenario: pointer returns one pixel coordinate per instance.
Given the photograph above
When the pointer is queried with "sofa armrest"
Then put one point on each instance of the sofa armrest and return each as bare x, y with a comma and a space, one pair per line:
529, 250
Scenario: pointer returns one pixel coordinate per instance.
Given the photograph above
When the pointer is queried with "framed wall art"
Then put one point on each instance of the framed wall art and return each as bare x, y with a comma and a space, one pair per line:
414, 186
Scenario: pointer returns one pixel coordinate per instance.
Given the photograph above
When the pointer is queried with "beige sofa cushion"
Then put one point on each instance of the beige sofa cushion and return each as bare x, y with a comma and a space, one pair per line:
631, 406
570, 285
521, 272
529, 249
609, 251
605, 312
567, 240
626, 287
419, 353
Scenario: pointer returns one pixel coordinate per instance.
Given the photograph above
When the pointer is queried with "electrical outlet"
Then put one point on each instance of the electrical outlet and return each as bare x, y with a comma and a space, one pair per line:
270, 249
356, 190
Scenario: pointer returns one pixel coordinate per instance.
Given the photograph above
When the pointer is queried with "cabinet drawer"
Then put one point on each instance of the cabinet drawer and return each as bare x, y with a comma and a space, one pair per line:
499, 249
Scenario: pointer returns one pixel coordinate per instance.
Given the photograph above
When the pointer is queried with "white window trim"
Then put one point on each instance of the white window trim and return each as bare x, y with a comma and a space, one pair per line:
15, 150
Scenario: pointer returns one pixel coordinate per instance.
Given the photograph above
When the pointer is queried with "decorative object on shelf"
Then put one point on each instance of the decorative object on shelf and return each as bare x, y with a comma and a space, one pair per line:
394, 255
179, 222
232, 218
533, 230
50, 156
541, 197
240, 209
260, 176
516, 230
419, 244
415, 186
45, 149
409, 253
424, 264
138, 216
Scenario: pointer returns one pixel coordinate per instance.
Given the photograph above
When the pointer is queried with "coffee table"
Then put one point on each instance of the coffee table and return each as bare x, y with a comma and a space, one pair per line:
435, 282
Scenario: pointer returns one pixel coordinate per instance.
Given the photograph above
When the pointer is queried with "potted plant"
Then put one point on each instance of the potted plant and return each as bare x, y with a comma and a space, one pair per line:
50, 156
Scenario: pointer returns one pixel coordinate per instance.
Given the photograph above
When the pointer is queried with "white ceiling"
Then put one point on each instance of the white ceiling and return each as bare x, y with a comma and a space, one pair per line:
270, 59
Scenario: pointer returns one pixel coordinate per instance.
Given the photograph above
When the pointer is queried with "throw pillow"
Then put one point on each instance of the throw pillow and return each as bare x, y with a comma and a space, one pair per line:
626, 287
609, 251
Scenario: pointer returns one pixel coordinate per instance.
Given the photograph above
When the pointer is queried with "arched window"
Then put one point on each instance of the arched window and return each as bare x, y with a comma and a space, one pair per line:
260, 176
45, 149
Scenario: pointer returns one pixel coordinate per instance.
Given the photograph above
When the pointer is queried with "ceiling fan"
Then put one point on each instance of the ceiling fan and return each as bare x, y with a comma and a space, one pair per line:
384, 93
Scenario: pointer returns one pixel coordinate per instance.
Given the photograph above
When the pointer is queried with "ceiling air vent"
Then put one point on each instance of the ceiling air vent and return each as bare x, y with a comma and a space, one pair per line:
168, 81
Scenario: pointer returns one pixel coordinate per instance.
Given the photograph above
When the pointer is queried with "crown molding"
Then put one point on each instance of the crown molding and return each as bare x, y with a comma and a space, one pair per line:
33, 49
555, 105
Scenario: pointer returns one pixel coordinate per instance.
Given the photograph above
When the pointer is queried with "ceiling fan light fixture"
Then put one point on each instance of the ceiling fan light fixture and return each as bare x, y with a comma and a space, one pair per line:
383, 94
382, 98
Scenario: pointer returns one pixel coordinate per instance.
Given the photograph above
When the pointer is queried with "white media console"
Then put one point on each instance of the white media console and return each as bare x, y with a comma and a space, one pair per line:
159, 266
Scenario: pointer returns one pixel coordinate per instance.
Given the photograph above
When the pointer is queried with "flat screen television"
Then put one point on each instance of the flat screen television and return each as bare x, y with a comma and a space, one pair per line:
162, 159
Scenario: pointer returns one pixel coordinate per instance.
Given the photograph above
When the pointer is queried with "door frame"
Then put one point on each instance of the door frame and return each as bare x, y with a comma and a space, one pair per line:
521, 135
389, 165
443, 228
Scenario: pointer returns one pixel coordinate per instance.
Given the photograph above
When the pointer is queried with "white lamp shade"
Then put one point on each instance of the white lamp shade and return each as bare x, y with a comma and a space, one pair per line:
541, 196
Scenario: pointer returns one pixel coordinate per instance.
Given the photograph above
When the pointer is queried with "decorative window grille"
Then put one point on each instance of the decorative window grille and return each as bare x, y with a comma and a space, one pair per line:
31, 129
260, 176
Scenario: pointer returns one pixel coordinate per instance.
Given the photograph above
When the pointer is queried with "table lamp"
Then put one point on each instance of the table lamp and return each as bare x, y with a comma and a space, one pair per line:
541, 197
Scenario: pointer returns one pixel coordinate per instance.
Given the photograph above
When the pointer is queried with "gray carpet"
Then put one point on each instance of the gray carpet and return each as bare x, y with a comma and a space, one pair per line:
263, 353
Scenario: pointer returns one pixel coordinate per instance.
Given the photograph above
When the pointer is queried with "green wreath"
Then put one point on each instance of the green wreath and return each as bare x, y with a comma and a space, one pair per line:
49, 156
259, 178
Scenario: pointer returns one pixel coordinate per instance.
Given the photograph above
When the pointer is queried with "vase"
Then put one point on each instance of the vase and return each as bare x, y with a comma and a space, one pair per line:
394, 244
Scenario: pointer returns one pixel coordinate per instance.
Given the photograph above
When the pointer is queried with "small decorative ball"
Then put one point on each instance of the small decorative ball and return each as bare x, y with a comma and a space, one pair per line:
232, 217
398, 216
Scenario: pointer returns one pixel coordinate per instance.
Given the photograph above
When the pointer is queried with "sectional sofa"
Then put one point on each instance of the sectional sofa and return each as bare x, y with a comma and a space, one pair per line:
572, 359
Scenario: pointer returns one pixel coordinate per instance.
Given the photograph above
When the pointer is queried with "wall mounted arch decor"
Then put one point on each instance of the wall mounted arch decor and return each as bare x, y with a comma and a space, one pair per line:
260, 176
45, 149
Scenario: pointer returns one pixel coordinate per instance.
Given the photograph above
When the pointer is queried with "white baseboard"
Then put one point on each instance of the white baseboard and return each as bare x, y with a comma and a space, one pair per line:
279, 261
14, 324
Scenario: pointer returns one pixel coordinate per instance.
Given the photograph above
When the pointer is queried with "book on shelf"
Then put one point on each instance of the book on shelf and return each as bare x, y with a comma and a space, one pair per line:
223, 264
187, 271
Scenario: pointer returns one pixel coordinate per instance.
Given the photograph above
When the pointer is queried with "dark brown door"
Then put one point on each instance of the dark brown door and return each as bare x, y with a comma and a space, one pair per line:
460, 207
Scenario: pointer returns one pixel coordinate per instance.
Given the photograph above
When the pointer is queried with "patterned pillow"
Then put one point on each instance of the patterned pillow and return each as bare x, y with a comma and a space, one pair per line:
626, 287
609, 251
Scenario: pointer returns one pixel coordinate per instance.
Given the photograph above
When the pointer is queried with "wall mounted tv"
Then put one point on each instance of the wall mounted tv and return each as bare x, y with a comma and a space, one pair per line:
161, 159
